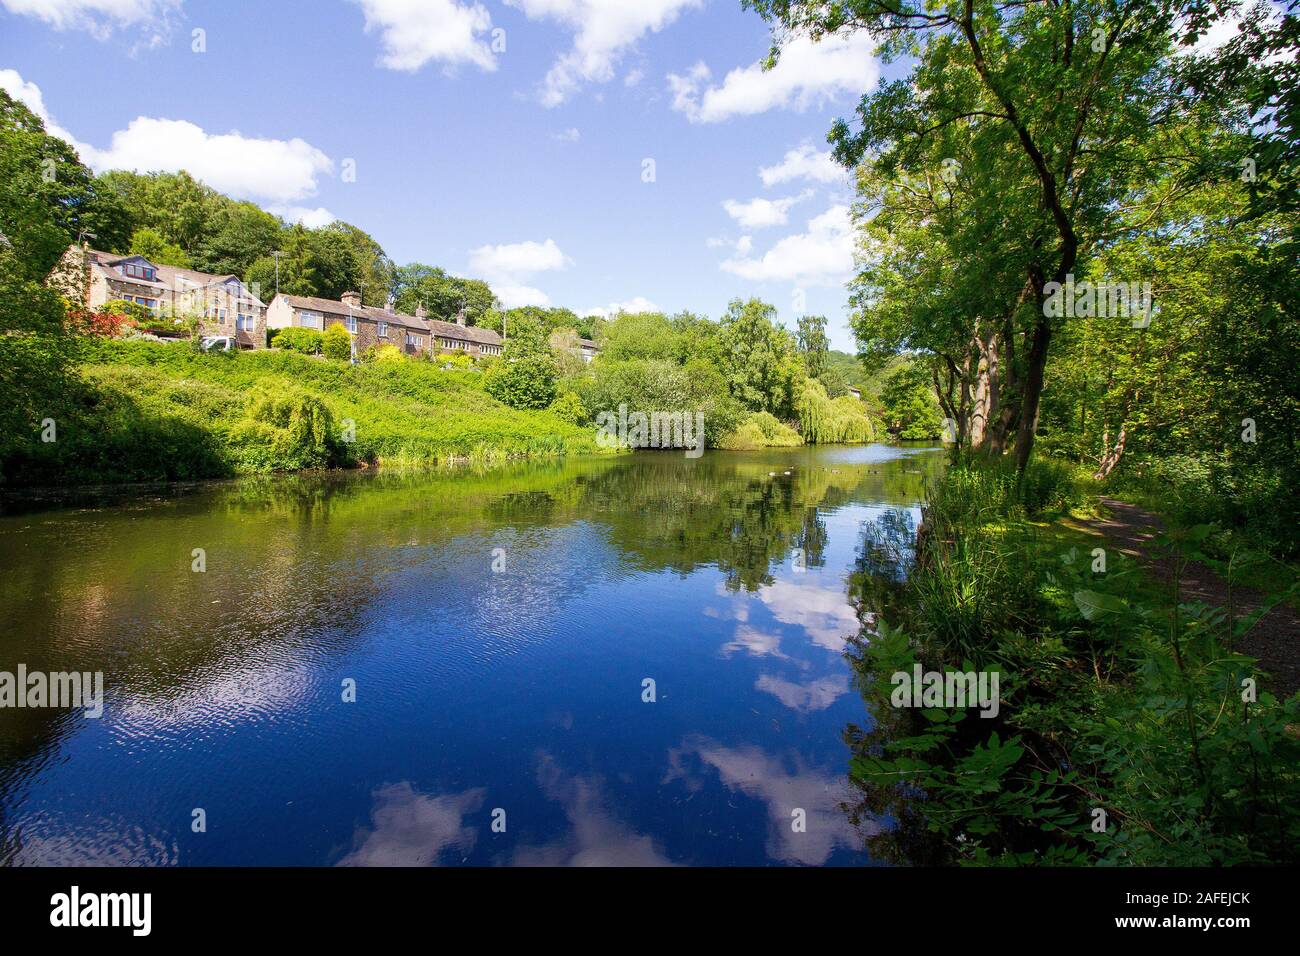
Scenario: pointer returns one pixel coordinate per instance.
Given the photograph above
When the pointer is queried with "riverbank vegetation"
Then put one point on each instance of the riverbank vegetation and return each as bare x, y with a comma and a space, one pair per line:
150, 411
1130, 728
1079, 223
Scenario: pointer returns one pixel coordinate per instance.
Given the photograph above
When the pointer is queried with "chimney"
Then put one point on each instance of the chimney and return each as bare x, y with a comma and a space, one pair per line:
421, 312
460, 317
351, 298
389, 304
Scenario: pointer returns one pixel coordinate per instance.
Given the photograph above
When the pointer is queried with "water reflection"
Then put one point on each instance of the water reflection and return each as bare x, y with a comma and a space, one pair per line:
223, 687
409, 828
785, 785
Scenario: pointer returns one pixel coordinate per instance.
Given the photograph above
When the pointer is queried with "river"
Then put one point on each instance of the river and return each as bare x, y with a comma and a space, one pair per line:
624, 660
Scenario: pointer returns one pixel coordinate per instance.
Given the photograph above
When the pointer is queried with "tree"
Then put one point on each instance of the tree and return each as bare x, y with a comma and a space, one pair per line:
47, 197
442, 295
149, 242
813, 344
1076, 102
759, 361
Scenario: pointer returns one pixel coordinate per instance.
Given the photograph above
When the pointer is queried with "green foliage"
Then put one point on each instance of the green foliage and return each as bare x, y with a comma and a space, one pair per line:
336, 343
294, 339
568, 407
814, 346
758, 360
761, 430
824, 420
910, 408
285, 431
1113, 696
442, 295
141, 410
525, 382
662, 386
151, 244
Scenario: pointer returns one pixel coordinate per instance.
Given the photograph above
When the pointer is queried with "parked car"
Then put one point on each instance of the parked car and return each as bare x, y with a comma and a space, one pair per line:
218, 343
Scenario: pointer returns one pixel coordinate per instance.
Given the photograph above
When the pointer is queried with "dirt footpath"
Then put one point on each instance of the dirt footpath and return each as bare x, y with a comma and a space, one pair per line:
1275, 638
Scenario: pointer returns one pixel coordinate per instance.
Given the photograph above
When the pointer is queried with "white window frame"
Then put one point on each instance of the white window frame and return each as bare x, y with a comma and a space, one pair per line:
382, 331
311, 320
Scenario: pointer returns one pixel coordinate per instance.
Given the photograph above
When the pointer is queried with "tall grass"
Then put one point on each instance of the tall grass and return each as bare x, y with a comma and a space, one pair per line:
162, 411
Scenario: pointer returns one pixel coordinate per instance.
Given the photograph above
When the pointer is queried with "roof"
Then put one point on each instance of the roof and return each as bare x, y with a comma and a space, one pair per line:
435, 327
169, 277
588, 344
467, 333
335, 307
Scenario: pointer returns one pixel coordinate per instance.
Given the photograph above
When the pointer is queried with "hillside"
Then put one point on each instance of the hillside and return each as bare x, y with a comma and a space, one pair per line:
141, 411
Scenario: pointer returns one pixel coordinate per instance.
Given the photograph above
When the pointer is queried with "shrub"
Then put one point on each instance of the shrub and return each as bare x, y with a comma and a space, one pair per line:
336, 343
306, 341
382, 352
568, 407
761, 430
456, 359
825, 420
286, 431
527, 382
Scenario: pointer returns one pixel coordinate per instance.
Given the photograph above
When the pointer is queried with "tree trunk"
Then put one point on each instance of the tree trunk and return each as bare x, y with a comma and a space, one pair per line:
1109, 459
1036, 364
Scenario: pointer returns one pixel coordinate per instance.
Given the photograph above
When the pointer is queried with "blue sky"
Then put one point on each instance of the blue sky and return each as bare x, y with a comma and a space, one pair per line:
525, 166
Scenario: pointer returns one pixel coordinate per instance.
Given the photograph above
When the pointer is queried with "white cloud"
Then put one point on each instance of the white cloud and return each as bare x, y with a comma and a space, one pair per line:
743, 245
633, 77
518, 296
100, 18
807, 74
570, 135
311, 218
275, 170
823, 613
635, 304
29, 94
603, 31
506, 266
822, 255
413, 32
518, 258
760, 213
804, 162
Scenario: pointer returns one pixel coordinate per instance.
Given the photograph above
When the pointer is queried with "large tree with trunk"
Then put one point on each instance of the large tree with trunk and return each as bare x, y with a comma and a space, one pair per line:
1017, 144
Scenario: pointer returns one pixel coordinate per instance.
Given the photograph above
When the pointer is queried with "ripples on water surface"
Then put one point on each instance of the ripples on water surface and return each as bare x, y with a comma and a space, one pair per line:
476, 690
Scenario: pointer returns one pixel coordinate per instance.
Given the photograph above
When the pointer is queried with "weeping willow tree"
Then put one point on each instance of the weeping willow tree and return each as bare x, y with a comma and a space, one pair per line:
825, 420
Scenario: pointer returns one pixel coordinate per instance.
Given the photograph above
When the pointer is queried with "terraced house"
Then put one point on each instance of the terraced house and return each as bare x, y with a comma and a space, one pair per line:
222, 303
413, 334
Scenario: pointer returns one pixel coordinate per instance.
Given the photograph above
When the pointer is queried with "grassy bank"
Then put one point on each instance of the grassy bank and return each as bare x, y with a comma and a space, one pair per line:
1128, 729
138, 410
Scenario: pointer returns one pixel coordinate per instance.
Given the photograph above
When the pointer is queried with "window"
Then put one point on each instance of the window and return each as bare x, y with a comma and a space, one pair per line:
221, 316
350, 323
383, 330
245, 323
414, 340
134, 270
311, 320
